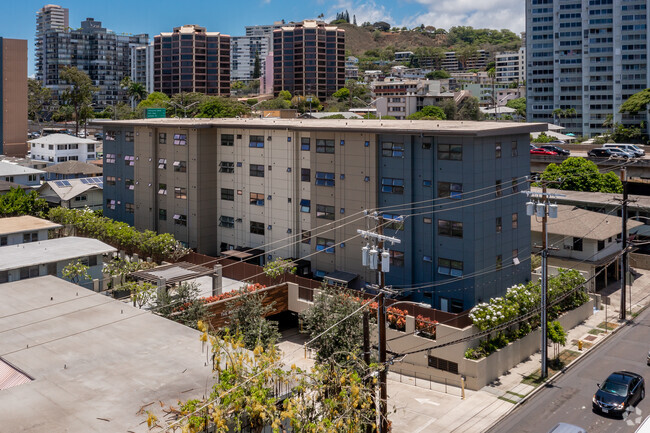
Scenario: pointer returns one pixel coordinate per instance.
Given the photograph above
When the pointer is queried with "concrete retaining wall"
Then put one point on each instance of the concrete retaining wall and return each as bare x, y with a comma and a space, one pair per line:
641, 261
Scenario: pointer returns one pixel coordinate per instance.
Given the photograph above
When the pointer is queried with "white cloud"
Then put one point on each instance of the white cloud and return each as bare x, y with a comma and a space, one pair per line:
493, 14
364, 11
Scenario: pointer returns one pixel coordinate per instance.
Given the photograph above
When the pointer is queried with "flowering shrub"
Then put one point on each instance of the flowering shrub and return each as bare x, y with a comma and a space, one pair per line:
425, 325
249, 288
396, 317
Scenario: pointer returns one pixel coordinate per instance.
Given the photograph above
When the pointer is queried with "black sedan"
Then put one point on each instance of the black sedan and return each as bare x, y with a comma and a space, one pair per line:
619, 392
556, 149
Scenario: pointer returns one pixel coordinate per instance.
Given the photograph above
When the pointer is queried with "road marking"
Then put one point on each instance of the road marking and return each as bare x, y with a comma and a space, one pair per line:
426, 401
431, 421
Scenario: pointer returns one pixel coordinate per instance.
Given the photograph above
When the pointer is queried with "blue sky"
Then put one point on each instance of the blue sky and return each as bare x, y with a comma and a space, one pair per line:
18, 19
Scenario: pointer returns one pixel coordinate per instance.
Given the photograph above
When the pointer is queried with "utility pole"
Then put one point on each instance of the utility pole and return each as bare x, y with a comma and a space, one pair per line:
624, 245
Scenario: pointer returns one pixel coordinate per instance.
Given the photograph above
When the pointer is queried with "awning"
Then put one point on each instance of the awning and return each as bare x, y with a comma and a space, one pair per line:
341, 277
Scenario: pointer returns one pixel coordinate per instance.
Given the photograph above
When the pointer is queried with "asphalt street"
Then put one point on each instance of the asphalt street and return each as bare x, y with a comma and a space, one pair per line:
568, 399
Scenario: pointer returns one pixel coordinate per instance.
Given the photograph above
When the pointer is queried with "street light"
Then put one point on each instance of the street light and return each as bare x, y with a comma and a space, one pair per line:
183, 107
367, 106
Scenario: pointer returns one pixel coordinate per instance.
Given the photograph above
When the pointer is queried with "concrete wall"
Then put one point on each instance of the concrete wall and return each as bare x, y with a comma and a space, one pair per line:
18, 238
95, 271
641, 261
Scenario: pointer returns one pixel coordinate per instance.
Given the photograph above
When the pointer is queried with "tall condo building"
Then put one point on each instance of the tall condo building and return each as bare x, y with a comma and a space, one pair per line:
585, 55
13, 97
48, 18
104, 55
308, 59
510, 66
450, 191
246, 50
142, 66
190, 59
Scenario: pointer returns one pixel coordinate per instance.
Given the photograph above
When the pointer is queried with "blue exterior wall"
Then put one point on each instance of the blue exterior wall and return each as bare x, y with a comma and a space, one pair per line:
123, 196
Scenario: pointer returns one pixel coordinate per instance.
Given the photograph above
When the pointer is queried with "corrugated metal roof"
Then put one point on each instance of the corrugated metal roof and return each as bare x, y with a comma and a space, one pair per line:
10, 377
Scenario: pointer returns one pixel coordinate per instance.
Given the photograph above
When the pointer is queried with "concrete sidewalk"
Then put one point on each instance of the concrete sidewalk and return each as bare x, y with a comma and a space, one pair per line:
417, 409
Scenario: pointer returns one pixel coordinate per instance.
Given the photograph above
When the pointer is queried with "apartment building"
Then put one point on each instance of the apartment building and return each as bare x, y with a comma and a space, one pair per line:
103, 55
253, 47
454, 61
510, 66
401, 98
13, 97
142, 66
586, 55
191, 59
351, 68
298, 189
48, 18
309, 59
56, 148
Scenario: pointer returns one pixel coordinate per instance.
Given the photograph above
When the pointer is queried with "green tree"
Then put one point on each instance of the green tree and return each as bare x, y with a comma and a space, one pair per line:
142, 293
285, 94
75, 272
343, 94
469, 110
257, 66
153, 100
17, 202
248, 318
437, 75
430, 112
136, 91
78, 95
449, 108
279, 268
518, 104
39, 99
187, 104
274, 104
182, 304
216, 106
580, 174
557, 335
636, 103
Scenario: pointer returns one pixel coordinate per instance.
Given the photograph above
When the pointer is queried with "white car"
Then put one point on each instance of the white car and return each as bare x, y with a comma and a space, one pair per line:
81, 134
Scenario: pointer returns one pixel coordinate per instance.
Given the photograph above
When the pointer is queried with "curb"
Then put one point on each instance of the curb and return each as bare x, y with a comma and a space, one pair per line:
552, 379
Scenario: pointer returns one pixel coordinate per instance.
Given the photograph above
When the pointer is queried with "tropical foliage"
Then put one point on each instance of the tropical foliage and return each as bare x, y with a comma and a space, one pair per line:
580, 174
17, 202
247, 316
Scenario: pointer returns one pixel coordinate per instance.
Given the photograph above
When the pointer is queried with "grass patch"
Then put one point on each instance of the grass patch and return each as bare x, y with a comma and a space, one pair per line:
595, 331
508, 400
516, 394
554, 365
609, 326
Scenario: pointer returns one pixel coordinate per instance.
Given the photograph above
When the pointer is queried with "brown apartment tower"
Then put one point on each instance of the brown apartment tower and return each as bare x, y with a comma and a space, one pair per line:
309, 59
13, 94
190, 59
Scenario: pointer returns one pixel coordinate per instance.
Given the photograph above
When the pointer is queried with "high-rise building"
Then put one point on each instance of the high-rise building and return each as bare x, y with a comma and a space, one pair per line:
48, 18
246, 50
309, 59
588, 56
13, 97
105, 56
510, 66
190, 59
142, 66
298, 189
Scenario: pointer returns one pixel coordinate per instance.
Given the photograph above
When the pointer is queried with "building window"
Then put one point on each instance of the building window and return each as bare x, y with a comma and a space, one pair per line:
180, 139
515, 254
427, 183
497, 150
450, 190
129, 207
257, 170
453, 229
180, 166
226, 221
396, 258
3, 241
129, 184
226, 167
110, 204
257, 199
392, 150
162, 163
326, 245
427, 220
110, 180
31, 178
450, 267
257, 228
515, 185
324, 146
256, 141
180, 192
305, 174
305, 237
499, 225
89, 148
513, 149
515, 220
227, 140
128, 136
393, 222
427, 259
180, 220
227, 194
601, 245
577, 244
392, 186
129, 160
305, 206
110, 158
109, 136
426, 143
443, 364
81, 198
324, 178
305, 143
162, 214
30, 237
451, 152
162, 188
162, 138
324, 211
499, 262
498, 191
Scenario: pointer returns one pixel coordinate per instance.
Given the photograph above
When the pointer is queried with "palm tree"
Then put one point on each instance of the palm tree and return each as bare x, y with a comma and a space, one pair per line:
559, 113
134, 90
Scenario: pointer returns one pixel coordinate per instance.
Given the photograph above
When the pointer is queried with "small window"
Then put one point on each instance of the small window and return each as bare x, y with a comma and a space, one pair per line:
162, 188
513, 149
453, 268
324, 146
305, 143
227, 194
601, 245
180, 193
3, 241
325, 245
226, 221
129, 207
180, 139
305, 237
305, 206
256, 141
226, 167
426, 143
427, 220
257, 228
129, 160
342, 142
162, 163
499, 225
109, 136
257, 170
497, 150
499, 262
128, 136
110, 180
324, 212
450, 152
110, 204
392, 150
180, 166
427, 183
162, 138
393, 221
515, 220
129, 184
427, 259
110, 158
450, 190
324, 178
515, 185
452, 229
392, 186
396, 258
227, 140
515, 254
305, 174
180, 220
162, 214
498, 190
366, 144
256, 199
577, 244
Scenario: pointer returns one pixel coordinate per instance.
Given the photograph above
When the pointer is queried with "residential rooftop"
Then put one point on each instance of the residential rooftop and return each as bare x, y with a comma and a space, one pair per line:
25, 223
74, 167
62, 139
10, 169
437, 127
95, 362
51, 250
68, 189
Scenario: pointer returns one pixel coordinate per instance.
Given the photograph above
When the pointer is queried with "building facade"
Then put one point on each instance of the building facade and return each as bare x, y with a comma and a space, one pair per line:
58, 148
298, 189
401, 98
510, 66
585, 55
246, 50
309, 59
142, 66
13, 96
48, 18
103, 55
191, 59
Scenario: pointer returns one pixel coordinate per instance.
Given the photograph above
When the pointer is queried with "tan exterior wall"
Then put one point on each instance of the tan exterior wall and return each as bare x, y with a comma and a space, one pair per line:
14, 97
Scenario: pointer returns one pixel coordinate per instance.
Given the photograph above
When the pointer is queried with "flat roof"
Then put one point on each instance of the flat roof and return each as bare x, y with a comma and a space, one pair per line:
51, 250
94, 361
172, 273
25, 223
62, 139
438, 127
11, 169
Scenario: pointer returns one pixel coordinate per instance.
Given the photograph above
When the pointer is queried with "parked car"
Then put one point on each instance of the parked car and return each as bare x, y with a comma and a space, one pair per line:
81, 134
99, 135
630, 148
600, 152
620, 153
567, 428
556, 149
541, 151
621, 390
556, 142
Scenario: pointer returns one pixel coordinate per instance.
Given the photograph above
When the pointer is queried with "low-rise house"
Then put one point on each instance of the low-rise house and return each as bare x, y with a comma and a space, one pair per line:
72, 170
63, 147
583, 240
24, 229
5, 186
401, 98
74, 193
49, 257
10, 172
